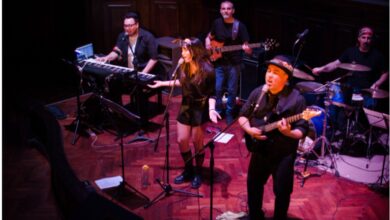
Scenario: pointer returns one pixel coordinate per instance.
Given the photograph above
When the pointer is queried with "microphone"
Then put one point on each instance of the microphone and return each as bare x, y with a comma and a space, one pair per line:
302, 35
125, 36
263, 91
180, 62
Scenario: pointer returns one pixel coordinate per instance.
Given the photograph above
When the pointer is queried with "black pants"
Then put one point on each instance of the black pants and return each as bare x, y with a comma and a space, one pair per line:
282, 170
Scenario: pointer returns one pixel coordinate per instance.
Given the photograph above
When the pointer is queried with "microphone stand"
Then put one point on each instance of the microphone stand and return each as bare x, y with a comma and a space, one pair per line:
167, 188
322, 138
140, 135
302, 42
79, 71
210, 144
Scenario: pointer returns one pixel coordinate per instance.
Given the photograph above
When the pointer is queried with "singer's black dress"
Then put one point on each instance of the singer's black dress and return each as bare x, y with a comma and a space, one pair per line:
194, 106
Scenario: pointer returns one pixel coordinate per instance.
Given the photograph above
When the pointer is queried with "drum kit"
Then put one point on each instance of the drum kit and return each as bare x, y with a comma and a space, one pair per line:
330, 94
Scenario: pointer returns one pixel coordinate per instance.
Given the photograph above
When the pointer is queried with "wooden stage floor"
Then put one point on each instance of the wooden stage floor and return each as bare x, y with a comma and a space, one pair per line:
28, 194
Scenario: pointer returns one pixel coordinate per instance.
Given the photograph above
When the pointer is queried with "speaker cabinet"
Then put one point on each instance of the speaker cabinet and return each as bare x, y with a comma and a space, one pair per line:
253, 71
250, 77
168, 56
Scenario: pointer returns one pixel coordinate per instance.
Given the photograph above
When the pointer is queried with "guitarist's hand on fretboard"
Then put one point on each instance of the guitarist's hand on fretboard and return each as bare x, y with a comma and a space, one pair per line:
284, 127
247, 49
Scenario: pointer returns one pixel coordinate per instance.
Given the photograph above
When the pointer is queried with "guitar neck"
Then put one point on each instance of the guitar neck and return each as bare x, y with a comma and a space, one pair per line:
274, 125
239, 47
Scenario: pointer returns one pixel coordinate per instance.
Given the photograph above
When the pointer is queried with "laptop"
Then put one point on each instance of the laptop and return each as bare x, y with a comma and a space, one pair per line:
84, 52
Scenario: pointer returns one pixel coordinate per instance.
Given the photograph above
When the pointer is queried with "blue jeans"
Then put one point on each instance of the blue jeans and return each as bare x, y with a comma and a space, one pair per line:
229, 74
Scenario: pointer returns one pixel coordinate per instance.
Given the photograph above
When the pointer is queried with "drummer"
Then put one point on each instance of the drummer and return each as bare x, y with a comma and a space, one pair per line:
369, 59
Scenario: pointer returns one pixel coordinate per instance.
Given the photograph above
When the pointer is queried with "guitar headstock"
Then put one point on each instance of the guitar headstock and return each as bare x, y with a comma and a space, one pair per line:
310, 113
270, 44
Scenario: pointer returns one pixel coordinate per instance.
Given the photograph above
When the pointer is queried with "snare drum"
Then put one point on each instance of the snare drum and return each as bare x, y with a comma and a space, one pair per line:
315, 131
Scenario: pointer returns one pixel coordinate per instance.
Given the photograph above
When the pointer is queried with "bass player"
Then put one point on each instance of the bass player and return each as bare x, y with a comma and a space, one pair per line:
229, 31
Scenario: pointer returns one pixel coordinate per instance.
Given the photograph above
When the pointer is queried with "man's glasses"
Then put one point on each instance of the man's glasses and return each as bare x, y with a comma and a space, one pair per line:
129, 25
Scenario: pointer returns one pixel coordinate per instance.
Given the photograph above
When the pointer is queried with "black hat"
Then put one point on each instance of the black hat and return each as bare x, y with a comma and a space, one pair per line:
282, 62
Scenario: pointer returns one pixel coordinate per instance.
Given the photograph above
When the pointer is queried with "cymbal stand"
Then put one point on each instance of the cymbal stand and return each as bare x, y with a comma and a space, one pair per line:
166, 187
324, 141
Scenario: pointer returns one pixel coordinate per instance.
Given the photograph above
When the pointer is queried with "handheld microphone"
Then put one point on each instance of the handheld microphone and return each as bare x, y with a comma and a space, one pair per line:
302, 35
180, 62
263, 91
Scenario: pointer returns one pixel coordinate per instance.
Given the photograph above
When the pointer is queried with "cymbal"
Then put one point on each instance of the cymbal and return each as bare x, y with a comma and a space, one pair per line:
309, 87
354, 67
377, 93
302, 75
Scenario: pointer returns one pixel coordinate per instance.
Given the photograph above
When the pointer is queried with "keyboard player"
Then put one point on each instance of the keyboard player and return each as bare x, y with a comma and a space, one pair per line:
135, 48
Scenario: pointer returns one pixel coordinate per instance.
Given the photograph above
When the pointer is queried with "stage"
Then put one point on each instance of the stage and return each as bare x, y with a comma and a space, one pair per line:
96, 154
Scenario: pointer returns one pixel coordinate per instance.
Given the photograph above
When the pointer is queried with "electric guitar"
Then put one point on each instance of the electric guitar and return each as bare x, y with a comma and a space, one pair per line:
217, 48
254, 144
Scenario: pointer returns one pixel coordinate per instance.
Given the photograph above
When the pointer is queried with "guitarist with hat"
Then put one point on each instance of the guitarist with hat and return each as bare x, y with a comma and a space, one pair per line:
274, 147
225, 31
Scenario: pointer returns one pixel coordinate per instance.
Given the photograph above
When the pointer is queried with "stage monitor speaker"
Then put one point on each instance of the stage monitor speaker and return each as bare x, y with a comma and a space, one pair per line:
169, 54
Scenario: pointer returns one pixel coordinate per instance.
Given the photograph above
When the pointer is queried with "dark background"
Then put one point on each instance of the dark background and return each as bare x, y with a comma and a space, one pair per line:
39, 35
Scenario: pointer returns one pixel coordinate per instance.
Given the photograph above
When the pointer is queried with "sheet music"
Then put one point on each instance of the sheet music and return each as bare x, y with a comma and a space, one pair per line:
109, 182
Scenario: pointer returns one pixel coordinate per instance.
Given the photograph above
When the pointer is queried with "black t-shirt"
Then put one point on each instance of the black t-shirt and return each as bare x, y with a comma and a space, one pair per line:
373, 59
145, 49
222, 32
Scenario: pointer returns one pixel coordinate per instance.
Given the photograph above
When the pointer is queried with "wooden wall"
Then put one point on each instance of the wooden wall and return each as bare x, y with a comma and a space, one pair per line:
332, 24
38, 36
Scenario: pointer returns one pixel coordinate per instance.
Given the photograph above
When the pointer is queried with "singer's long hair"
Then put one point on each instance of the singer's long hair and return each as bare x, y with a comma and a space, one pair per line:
200, 57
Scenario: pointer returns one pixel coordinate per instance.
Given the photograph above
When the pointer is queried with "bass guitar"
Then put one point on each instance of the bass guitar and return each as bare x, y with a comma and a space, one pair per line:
217, 48
254, 144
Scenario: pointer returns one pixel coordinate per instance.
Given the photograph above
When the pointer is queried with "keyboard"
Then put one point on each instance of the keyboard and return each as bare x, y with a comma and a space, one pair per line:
101, 69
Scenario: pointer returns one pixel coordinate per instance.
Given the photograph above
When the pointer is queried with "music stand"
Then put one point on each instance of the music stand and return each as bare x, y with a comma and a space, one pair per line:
114, 107
379, 120
375, 119
166, 187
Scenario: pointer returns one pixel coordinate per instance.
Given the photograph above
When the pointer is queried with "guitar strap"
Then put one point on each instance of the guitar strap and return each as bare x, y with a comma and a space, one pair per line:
236, 24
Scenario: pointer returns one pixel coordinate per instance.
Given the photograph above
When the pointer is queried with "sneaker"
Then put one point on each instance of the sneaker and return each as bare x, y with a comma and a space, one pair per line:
183, 177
